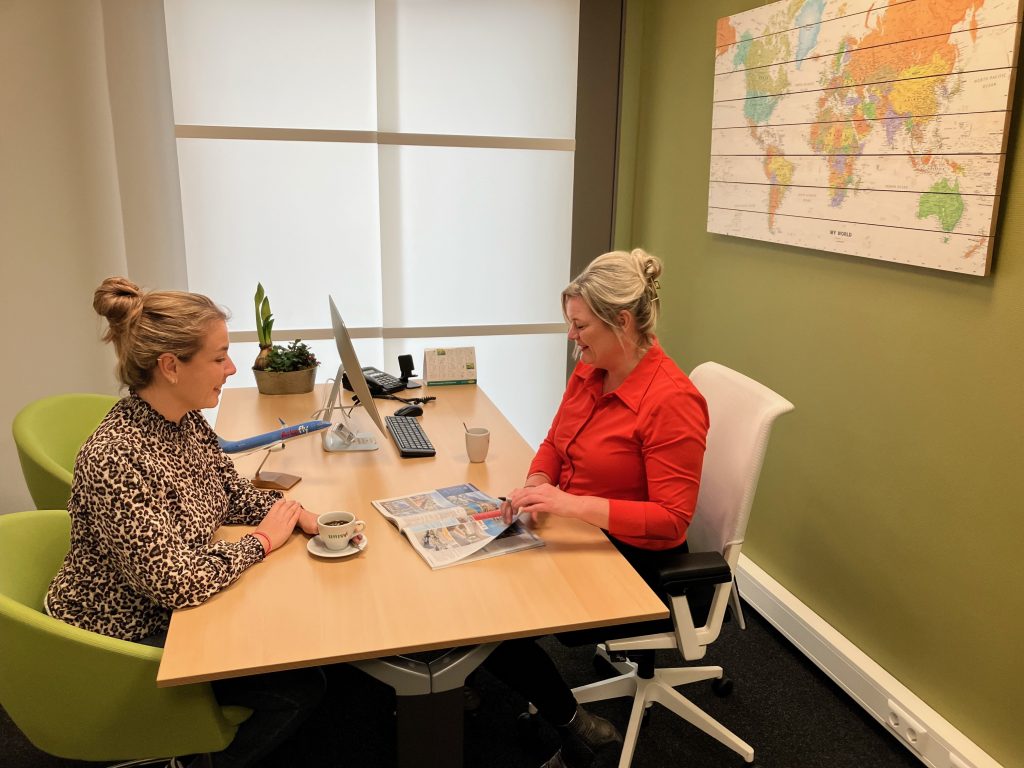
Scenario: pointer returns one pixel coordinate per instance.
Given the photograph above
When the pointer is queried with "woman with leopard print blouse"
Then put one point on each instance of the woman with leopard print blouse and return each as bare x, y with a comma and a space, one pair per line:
150, 488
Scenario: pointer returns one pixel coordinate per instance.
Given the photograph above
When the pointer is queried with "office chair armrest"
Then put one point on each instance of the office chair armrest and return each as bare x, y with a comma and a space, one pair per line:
687, 570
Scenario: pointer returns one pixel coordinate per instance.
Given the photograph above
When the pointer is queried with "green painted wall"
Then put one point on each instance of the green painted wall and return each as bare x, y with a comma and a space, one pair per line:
892, 499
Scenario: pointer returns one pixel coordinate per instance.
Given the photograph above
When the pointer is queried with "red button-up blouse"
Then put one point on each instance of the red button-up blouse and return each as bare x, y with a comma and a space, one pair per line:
640, 446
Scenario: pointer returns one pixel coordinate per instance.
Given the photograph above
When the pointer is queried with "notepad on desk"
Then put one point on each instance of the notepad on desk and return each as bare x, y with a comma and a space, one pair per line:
449, 365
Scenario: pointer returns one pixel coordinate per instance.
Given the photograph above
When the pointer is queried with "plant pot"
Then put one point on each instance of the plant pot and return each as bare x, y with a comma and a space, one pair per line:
287, 383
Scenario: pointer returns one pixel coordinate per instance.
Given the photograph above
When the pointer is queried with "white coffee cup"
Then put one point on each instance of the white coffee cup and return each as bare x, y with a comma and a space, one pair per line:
338, 528
478, 440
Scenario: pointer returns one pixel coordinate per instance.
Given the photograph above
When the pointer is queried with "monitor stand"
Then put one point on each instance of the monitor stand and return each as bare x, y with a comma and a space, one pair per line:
342, 436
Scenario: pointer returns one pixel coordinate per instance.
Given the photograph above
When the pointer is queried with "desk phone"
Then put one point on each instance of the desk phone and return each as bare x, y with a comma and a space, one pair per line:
380, 383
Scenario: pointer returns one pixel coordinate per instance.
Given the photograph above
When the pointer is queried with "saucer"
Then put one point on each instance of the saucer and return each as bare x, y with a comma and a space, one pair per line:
316, 547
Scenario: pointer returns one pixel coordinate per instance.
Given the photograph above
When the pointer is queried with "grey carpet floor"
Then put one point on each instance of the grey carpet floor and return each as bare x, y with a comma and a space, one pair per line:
792, 714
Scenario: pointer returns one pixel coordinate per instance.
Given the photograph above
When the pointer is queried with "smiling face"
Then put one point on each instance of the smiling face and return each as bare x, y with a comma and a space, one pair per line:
599, 345
201, 378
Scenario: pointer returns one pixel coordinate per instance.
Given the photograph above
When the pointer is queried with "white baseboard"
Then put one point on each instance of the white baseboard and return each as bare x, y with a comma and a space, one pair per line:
912, 722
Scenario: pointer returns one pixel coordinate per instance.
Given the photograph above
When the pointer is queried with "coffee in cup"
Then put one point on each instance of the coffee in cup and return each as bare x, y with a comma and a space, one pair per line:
338, 528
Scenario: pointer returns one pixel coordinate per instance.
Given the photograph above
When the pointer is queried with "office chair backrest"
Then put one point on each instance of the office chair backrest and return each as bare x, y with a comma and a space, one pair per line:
49, 433
742, 412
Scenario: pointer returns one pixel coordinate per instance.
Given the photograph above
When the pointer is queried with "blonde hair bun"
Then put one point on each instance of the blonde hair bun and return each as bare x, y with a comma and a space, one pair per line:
650, 266
120, 301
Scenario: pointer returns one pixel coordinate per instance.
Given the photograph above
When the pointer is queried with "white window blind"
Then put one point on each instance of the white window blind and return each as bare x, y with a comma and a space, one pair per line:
414, 158
490, 67
273, 63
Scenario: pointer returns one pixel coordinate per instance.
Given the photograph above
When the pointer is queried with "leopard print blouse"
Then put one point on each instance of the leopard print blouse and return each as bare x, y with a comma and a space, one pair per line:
146, 499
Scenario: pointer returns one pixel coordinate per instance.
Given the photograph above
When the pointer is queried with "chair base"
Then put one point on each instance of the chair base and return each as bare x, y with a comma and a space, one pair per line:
737, 606
661, 689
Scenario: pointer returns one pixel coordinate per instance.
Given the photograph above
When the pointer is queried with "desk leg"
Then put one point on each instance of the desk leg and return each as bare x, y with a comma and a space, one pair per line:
429, 703
430, 730
411, 680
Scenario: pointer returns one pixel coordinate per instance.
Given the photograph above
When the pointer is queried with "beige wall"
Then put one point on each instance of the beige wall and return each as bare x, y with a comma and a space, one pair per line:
62, 229
891, 498
60, 219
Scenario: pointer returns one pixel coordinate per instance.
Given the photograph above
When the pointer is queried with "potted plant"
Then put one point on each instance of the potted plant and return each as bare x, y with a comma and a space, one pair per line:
280, 370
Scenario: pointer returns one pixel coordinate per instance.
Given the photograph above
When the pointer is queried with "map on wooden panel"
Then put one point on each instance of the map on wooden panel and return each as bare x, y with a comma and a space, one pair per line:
865, 127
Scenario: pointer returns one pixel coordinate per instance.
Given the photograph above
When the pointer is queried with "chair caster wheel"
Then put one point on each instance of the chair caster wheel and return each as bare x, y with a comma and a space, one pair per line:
722, 686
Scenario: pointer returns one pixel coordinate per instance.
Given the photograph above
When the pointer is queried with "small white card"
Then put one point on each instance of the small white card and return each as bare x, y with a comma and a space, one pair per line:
449, 365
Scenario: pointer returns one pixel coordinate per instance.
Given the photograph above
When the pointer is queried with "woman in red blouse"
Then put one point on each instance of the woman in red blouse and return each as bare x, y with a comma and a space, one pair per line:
624, 453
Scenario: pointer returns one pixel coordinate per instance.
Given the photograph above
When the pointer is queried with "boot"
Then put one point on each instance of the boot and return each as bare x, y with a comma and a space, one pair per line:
556, 761
582, 738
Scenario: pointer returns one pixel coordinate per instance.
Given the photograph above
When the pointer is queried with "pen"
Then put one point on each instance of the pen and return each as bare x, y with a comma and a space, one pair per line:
516, 515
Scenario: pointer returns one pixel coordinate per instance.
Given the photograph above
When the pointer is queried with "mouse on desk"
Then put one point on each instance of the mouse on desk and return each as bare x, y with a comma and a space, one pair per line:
409, 410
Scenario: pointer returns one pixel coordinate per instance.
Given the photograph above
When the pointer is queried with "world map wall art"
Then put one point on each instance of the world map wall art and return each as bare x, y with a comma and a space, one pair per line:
865, 127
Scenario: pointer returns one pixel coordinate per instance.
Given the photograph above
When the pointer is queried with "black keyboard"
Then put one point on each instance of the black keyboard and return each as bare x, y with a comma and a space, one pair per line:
409, 436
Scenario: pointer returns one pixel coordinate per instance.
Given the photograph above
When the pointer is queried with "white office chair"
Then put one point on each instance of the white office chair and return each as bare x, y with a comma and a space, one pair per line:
742, 413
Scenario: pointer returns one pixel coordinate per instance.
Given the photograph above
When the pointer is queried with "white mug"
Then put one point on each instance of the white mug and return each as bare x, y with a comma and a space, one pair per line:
478, 440
338, 528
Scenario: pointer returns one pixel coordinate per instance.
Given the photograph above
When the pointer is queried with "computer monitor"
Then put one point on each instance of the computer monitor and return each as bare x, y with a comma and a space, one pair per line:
342, 436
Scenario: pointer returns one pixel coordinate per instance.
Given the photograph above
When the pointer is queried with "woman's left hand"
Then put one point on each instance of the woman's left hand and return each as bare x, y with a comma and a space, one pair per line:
544, 499
307, 522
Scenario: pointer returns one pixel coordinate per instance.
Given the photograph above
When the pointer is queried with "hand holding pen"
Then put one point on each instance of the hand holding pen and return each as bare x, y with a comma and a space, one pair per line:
508, 514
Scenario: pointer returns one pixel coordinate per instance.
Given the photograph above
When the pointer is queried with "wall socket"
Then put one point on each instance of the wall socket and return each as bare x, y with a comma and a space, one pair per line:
911, 731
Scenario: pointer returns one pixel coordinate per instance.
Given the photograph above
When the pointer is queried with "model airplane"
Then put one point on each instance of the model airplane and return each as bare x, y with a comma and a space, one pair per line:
269, 440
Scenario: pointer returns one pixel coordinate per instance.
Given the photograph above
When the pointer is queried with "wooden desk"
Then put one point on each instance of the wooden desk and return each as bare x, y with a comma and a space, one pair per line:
295, 610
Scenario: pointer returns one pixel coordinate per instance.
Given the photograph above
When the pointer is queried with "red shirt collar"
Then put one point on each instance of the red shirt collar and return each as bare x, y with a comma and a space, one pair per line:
633, 389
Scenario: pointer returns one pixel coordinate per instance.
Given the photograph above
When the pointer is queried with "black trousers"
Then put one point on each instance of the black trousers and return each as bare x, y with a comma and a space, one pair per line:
280, 702
527, 669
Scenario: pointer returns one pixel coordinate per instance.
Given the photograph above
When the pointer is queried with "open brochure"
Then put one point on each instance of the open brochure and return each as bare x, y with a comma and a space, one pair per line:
456, 525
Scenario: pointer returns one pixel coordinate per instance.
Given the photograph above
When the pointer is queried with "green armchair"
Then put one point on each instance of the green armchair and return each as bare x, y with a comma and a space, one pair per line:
49, 433
79, 695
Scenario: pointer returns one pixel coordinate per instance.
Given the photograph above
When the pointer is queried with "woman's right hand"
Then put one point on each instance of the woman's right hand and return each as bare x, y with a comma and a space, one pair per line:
279, 522
509, 512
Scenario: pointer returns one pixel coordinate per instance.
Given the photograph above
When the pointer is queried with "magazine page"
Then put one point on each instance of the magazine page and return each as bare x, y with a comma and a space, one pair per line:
436, 505
514, 538
450, 539
408, 510
456, 524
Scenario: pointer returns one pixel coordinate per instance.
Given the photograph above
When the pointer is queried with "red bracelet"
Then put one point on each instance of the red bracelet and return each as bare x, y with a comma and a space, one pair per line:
266, 539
